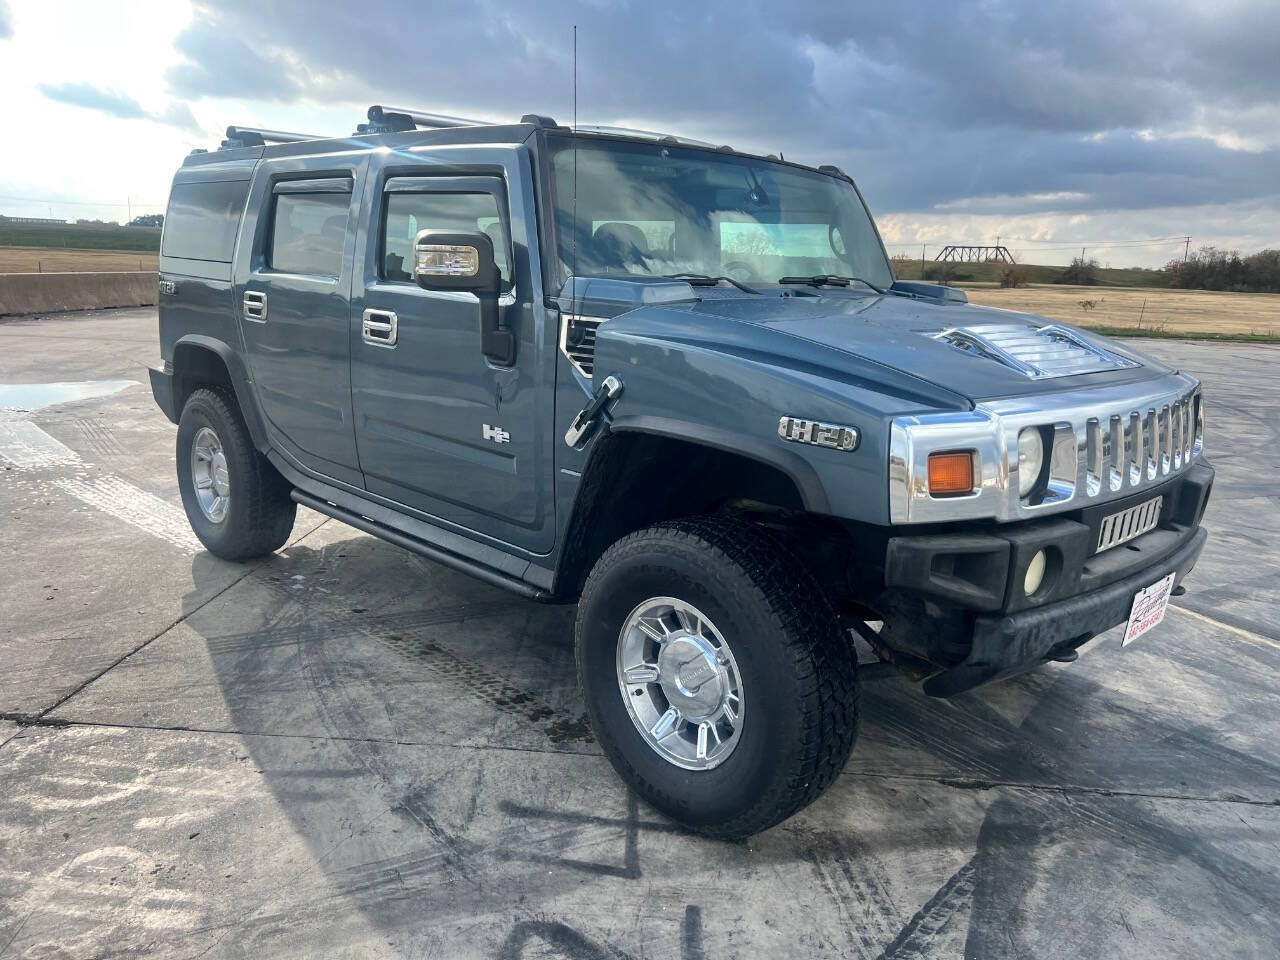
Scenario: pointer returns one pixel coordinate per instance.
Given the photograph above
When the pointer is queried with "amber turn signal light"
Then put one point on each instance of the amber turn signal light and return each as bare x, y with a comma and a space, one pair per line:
950, 473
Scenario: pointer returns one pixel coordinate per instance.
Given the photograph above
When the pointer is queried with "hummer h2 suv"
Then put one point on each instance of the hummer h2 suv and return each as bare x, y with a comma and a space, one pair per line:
679, 385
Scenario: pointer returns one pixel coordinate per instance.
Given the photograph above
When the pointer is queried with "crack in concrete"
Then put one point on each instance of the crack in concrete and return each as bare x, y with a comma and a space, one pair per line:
42, 718
32, 720
956, 783
979, 783
1250, 635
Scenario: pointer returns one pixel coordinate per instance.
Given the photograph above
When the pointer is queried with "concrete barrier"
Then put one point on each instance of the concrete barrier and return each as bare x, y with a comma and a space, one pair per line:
56, 292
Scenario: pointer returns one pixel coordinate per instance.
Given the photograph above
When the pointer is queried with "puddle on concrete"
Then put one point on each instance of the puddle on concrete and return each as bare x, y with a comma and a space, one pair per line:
26, 397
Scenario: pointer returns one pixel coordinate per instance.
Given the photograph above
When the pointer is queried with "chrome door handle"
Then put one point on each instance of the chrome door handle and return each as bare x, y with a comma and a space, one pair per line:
255, 306
380, 328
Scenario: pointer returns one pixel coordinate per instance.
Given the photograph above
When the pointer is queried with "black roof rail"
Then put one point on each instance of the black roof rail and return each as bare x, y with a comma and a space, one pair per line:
257, 137
394, 117
400, 119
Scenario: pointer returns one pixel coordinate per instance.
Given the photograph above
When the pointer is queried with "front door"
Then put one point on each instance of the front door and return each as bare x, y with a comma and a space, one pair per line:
294, 273
438, 427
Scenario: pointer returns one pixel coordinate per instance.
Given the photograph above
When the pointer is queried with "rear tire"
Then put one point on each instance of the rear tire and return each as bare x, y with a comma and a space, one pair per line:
237, 502
775, 639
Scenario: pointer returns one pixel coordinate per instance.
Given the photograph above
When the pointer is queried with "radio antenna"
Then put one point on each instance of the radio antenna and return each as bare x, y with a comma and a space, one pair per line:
573, 257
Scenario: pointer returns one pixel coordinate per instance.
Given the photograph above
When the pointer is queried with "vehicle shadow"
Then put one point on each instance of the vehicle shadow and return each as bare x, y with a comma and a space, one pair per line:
436, 721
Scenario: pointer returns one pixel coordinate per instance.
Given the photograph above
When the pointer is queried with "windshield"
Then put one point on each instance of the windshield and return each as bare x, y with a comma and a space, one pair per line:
644, 209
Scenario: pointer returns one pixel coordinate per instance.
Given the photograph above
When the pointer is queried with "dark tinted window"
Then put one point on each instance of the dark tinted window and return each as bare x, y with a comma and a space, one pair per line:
308, 232
203, 219
408, 213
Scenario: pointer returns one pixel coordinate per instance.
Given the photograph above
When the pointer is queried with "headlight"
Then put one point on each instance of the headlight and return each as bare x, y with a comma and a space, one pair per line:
1030, 459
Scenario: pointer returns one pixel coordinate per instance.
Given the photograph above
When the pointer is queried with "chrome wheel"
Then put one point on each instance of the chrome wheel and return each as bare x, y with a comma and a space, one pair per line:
209, 475
680, 682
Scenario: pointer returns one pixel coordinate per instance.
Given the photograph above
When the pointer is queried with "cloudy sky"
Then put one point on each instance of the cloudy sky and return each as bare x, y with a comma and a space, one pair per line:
1050, 125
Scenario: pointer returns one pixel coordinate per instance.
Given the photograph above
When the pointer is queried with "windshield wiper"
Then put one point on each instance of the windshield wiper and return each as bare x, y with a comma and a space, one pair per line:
703, 280
830, 280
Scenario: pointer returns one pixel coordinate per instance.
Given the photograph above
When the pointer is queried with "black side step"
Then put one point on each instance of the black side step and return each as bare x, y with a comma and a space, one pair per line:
420, 547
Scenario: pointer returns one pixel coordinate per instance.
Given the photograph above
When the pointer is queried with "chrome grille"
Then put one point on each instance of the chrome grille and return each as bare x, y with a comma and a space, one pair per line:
1129, 524
1131, 448
1037, 353
1103, 443
578, 341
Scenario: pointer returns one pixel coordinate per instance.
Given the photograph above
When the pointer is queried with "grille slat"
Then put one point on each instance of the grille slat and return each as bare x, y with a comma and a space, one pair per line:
578, 341
1129, 524
1130, 449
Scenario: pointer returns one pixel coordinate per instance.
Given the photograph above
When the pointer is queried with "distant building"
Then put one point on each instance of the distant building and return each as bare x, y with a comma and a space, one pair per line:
4, 219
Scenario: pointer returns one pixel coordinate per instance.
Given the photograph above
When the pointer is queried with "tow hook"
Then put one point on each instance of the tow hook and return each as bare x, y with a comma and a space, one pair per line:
582, 424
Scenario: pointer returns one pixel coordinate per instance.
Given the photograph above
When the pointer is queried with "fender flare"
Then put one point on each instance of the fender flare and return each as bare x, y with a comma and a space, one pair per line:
241, 382
813, 494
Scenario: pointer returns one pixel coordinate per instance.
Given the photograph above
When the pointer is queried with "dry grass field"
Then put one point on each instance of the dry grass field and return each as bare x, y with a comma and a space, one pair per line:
62, 260
1154, 310
1151, 310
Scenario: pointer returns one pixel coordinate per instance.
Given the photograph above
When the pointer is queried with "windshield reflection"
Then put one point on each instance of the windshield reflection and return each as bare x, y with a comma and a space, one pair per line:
652, 209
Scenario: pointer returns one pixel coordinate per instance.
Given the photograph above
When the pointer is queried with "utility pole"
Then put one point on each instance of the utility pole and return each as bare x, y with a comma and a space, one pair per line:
923, 247
1187, 252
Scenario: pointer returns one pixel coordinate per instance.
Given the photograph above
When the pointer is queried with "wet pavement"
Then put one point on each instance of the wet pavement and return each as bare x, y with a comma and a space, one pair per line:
348, 751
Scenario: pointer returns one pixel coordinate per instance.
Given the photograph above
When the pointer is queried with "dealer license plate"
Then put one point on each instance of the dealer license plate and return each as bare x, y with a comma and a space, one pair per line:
1149, 605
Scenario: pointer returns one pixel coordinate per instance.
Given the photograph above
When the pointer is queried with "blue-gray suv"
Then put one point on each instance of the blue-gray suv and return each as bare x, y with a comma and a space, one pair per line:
679, 385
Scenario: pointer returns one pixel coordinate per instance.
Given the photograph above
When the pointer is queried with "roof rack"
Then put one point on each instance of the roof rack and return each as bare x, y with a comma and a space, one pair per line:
400, 119
257, 137
650, 134
394, 119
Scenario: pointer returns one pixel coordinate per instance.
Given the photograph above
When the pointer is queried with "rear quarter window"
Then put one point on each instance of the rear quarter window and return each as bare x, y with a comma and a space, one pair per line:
202, 220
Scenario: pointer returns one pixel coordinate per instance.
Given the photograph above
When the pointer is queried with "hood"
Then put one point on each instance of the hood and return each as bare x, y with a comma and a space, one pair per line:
980, 353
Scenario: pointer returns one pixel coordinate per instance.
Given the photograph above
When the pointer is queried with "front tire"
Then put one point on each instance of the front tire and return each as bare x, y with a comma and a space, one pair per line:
238, 504
716, 676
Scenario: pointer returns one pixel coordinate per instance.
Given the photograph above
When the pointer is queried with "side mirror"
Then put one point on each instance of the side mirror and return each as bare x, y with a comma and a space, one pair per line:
464, 261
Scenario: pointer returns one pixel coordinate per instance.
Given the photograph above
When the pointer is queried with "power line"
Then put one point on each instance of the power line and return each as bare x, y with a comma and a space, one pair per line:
77, 203
1097, 243
1118, 244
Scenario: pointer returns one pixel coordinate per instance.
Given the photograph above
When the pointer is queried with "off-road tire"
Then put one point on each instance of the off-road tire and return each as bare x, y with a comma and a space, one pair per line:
260, 513
798, 672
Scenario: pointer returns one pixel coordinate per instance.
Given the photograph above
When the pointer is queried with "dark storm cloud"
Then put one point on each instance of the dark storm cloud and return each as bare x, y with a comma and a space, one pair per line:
117, 104
93, 98
219, 63
927, 103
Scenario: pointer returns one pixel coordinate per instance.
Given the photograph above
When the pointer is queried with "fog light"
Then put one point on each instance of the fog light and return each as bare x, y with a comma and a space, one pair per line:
1035, 573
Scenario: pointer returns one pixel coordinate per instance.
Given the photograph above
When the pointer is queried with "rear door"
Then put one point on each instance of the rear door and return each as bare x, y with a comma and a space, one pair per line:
293, 292
440, 428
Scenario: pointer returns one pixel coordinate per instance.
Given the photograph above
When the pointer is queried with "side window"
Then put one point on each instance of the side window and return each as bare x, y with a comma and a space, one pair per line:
308, 232
203, 219
409, 213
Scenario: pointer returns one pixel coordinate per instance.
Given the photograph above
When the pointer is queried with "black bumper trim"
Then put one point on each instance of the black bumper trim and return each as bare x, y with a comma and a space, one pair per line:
162, 391
1005, 645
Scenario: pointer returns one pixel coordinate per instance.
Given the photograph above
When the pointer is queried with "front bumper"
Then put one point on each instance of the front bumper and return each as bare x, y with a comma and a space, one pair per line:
1005, 645
970, 581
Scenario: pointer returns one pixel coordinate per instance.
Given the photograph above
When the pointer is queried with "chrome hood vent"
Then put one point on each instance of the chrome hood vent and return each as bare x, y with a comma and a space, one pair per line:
1038, 353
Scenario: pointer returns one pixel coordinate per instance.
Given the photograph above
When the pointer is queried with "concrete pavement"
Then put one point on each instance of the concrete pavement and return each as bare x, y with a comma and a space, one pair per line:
347, 751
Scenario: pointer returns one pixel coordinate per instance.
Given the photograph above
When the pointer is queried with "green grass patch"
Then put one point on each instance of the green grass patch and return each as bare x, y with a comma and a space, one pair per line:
80, 236
1155, 334
1035, 273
